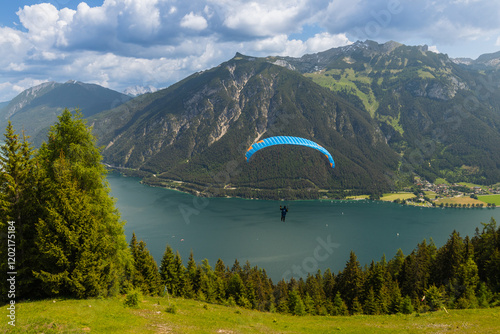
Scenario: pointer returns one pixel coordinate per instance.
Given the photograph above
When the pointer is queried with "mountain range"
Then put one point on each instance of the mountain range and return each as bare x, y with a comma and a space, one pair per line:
37, 108
386, 112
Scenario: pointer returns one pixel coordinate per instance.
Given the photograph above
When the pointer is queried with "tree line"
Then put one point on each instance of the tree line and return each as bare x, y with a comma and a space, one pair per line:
463, 273
70, 242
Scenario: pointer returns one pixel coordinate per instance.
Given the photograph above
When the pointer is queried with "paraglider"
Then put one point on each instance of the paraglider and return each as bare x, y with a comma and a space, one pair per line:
286, 140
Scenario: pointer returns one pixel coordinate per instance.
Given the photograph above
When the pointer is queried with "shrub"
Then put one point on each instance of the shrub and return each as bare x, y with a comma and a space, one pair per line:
171, 309
133, 298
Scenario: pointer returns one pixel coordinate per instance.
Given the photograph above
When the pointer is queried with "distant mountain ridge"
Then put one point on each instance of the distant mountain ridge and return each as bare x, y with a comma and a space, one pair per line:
387, 111
37, 108
200, 128
441, 116
137, 90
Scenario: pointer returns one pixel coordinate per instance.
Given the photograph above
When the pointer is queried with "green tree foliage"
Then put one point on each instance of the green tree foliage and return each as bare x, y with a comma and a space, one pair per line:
350, 281
402, 285
434, 298
146, 275
71, 234
406, 306
169, 273
487, 254
19, 204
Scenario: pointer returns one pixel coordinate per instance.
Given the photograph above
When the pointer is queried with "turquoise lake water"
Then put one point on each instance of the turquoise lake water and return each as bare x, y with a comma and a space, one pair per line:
316, 234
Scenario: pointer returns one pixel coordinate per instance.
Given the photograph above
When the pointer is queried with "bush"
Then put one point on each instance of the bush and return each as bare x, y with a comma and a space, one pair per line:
171, 309
406, 306
133, 298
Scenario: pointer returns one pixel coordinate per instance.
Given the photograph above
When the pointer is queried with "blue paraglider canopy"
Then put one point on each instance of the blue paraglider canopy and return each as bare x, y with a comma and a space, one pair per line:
286, 140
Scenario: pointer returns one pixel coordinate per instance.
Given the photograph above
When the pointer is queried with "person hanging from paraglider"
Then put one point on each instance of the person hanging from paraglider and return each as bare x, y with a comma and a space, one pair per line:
284, 210
287, 140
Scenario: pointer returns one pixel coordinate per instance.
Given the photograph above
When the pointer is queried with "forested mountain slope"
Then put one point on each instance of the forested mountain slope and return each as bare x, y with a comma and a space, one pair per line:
198, 130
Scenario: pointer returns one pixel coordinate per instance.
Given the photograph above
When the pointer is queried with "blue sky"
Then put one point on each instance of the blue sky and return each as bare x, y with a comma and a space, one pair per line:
123, 43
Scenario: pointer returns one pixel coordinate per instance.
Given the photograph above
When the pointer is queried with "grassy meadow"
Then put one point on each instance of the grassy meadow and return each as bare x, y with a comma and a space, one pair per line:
190, 316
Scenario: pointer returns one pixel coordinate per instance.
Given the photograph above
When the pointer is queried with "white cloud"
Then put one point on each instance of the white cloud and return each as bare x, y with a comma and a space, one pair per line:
195, 22
434, 49
159, 42
263, 19
325, 41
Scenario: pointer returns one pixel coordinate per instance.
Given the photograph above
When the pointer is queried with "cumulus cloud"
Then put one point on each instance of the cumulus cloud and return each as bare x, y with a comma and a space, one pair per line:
195, 22
434, 49
442, 22
157, 42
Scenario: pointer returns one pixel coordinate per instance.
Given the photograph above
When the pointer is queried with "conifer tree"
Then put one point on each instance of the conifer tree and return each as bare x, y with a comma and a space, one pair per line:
192, 285
448, 259
487, 254
395, 299
339, 306
148, 277
406, 305
281, 297
434, 297
181, 282
79, 235
370, 304
168, 271
220, 268
396, 264
207, 281
295, 303
464, 284
19, 205
236, 288
350, 282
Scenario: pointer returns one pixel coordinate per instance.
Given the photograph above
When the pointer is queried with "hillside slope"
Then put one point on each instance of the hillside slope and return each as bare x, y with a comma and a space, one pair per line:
110, 316
37, 108
441, 115
198, 130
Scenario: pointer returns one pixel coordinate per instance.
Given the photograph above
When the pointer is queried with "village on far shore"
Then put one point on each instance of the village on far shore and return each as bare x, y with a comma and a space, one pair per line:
444, 194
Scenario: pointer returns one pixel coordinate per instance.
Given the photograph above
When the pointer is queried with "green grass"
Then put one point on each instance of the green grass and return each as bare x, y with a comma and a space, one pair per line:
348, 80
440, 181
111, 316
494, 199
393, 196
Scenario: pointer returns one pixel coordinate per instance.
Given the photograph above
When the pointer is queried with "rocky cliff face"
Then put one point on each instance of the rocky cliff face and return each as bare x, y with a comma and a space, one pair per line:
194, 129
386, 111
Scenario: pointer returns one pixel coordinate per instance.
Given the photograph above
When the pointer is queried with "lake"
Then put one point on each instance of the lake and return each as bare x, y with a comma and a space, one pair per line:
316, 234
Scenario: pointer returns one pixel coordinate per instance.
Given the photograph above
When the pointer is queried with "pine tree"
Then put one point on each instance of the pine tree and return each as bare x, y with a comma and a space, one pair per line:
350, 282
281, 297
19, 193
207, 281
434, 297
181, 282
448, 259
395, 299
396, 264
79, 235
236, 288
147, 269
339, 306
168, 271
406, 305
487, 254
464, 284
220, 268
295, 303
370, 305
